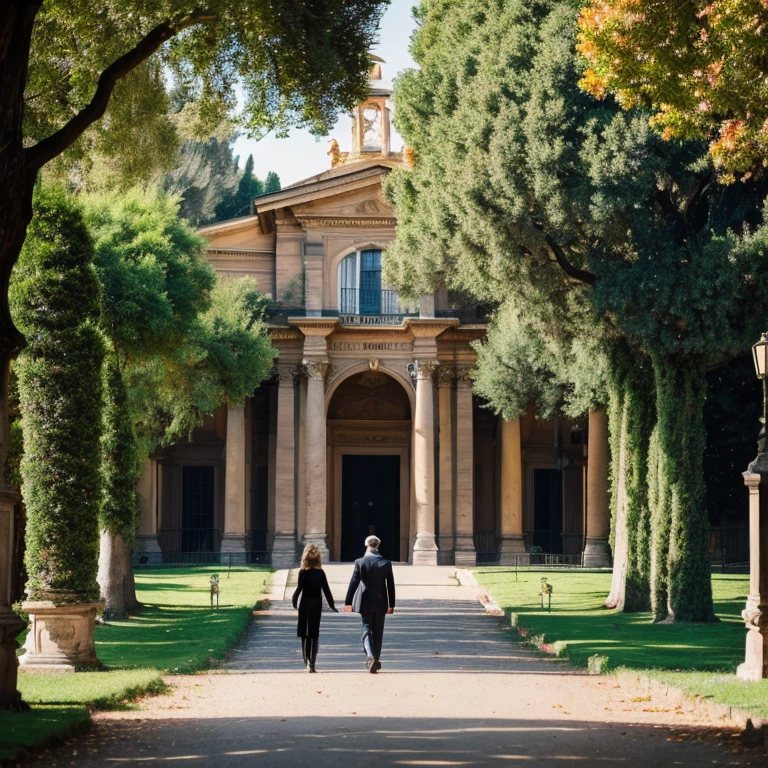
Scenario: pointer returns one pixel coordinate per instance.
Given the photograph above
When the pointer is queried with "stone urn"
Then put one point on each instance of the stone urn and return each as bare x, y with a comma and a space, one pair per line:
60, 636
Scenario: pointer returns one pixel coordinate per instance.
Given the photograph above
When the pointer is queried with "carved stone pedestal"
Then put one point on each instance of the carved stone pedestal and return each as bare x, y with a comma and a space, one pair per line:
755, 666
60, 636
10, 626
10, 623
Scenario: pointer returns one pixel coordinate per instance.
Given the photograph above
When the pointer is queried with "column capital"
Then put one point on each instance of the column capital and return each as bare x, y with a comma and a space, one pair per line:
446, 375
422, 369
318, 370
287, 374
464, 376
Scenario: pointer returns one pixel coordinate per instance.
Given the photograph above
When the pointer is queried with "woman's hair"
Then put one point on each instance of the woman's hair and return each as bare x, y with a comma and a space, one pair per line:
311, 558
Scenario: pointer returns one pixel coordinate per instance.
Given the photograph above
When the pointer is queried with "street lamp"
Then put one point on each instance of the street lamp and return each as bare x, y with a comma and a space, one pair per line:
760, 358
755, 615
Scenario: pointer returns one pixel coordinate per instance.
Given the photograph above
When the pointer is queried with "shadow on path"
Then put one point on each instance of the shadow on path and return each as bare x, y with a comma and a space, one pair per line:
423, 636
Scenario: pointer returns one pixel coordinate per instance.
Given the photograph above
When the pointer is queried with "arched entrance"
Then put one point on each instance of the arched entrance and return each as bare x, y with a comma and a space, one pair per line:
369, 431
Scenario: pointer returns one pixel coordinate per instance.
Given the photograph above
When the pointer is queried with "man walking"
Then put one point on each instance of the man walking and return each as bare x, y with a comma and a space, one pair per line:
371, 593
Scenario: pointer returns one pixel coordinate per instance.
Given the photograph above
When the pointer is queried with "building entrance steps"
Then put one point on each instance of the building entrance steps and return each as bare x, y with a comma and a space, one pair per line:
411, 582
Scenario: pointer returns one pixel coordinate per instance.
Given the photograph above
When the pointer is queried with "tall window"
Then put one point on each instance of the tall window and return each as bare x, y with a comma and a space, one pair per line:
361, 291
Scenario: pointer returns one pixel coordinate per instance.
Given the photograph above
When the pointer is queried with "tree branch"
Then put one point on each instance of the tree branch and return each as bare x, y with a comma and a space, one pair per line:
52, 146
582, 275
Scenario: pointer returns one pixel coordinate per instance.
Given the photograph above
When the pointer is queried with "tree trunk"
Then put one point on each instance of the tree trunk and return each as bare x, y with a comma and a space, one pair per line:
630, 421
132, 604
16, 184
620, 541
111, 576
682, 568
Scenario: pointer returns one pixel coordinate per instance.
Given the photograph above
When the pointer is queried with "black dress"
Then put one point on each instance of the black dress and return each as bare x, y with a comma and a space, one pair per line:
311, 583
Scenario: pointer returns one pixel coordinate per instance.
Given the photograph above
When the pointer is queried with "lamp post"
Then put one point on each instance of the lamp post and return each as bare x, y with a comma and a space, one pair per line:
755, 614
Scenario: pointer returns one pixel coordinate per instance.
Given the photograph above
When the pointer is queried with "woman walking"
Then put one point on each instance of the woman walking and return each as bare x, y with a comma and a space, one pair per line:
312, 580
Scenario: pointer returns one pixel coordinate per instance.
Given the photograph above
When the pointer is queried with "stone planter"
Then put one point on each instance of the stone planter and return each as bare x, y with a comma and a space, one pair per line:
60, 636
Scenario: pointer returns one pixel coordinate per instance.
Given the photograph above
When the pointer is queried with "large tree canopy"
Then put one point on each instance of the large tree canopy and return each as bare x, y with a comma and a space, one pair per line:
702, 66
591, 232
62, 62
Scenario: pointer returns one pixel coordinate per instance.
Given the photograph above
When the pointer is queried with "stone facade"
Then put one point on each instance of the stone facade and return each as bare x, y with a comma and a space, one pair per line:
369, 423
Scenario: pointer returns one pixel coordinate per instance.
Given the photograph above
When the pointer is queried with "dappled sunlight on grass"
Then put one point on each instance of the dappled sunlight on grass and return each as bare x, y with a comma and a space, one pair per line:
701, 659
176, 631
579, 620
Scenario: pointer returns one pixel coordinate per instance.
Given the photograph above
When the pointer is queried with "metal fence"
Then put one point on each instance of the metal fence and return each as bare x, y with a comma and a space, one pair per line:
202, 546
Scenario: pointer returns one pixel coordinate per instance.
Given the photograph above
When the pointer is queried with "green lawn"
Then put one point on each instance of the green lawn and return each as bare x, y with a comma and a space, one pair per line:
685, 655
175, 632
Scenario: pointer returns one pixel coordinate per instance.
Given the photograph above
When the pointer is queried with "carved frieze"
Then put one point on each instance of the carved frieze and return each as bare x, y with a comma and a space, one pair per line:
379, 222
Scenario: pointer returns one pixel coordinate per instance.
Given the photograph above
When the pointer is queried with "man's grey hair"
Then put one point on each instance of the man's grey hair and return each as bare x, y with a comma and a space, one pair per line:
373, 543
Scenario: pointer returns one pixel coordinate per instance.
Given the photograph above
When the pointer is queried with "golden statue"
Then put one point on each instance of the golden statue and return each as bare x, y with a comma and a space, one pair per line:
337, 156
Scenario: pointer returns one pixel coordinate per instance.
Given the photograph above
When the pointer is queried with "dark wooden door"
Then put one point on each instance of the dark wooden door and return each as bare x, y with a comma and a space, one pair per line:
548, 510
370, 504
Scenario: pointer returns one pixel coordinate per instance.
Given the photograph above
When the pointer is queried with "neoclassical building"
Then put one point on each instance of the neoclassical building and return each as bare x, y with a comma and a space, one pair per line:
369, 423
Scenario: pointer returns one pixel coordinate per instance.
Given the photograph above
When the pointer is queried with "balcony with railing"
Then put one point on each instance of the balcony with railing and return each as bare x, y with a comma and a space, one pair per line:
382, 306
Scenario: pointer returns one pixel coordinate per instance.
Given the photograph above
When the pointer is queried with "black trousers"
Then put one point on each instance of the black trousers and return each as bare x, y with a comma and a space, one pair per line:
373, 631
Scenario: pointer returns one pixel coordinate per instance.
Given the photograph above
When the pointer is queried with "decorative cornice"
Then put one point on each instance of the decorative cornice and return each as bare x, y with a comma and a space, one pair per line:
428, 327
317, 370
239, 253
284, 334
315, 220
314, 326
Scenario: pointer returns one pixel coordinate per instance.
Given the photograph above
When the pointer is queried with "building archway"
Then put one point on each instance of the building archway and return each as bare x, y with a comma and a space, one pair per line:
369, 435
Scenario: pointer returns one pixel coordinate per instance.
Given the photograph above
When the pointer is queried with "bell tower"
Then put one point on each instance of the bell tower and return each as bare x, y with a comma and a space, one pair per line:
371, 118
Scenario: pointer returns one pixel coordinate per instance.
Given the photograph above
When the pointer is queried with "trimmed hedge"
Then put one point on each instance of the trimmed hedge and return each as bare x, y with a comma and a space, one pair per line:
55, 296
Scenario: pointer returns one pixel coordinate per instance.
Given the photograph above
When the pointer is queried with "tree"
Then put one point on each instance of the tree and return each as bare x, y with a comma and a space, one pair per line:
271, 183
168, 364
61, 65
700, 65
203, 175
56, 300
584, 223
240, 203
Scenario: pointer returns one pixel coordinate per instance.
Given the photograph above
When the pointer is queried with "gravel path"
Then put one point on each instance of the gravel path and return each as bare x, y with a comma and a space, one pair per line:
455, 690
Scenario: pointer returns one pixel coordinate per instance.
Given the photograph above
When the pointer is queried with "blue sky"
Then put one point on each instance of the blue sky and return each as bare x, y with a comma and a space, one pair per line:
301, 155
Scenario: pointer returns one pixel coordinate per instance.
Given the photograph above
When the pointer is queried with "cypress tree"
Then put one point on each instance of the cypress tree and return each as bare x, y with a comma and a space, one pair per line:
56, 301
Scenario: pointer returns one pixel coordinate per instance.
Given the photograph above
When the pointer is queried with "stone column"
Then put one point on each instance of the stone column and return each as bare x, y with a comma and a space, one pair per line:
466, 556
10, 623
147, 544
315, 472
445, 500
284, 544
424, 548
233, 541
512, 547
755, 666
597, 552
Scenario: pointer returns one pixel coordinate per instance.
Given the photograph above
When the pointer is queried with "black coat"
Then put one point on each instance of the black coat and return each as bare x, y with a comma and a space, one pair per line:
373, 574
311, 582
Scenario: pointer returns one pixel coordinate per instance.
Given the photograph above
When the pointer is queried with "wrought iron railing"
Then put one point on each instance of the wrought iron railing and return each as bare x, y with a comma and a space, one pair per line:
486, 547
363, 301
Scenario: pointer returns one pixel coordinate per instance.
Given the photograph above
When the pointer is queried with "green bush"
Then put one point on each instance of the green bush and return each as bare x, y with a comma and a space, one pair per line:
55, 298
